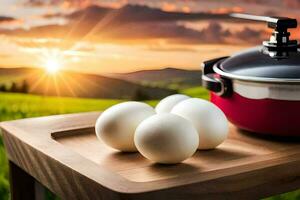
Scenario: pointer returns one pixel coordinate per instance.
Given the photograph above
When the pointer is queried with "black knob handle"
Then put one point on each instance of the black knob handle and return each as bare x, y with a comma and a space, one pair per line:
279, 41
280, 24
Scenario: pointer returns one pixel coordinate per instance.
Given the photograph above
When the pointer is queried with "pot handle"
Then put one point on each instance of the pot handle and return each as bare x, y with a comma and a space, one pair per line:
209, 81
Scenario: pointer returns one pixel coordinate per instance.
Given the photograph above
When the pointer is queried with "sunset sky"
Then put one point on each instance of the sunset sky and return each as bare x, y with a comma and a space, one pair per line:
97, 36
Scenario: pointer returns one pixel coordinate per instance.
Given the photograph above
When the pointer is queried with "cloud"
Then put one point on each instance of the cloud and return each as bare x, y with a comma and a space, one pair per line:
53, 15
133, 23
41, 42
9, 22
35, 3
134, 13
60, 3
223, 10
3, 55
169, 7
285, 3
249, 34
6, 19
292, 3
150, 30
163, 48
214, 33
186, 6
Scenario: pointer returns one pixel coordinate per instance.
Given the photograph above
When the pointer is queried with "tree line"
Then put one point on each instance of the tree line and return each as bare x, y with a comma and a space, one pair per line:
14, 87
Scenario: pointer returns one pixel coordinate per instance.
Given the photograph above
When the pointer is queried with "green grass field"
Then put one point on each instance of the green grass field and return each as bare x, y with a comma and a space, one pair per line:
199, 92
16, 106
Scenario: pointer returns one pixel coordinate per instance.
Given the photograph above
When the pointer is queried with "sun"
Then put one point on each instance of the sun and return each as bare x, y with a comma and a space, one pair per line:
52, 65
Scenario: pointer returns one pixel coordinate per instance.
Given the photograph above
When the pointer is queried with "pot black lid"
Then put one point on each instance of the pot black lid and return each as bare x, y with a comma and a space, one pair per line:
277, 60
256, 65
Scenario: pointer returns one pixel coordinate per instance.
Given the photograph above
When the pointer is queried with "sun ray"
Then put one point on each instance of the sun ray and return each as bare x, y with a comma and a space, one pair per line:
56, 86
46, 86
40, 79
66, 83
104, 21
77, 85
74, 26
61, 105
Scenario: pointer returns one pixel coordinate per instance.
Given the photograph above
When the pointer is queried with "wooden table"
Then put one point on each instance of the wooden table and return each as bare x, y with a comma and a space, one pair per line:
62, 153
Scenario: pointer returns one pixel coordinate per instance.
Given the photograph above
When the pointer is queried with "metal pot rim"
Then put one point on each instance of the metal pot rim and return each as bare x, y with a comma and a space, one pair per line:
252, 79
254, 90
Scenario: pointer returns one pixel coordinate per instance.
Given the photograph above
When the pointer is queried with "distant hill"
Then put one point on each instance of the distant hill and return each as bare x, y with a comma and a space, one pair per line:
67, 83
168, 77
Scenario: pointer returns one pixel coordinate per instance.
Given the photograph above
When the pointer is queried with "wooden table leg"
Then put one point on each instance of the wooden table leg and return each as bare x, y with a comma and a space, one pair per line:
22, 185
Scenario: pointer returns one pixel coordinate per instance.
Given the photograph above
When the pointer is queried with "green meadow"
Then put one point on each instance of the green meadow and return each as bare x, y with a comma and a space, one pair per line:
17, 106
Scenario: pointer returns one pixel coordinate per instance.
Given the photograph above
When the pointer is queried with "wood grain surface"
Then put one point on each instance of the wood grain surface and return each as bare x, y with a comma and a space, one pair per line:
63, 153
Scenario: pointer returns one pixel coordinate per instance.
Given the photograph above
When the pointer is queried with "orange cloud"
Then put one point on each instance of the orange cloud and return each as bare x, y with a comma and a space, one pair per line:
76, 4
292, 3
66, 4
186, 9
127, 24
114, 4
6, 19
227, 10
9, 22
16, 22
168, 7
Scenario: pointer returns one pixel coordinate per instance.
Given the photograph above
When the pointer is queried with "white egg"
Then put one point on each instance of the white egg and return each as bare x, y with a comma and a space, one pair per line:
210, 122
166, 138
166, 104
116, 125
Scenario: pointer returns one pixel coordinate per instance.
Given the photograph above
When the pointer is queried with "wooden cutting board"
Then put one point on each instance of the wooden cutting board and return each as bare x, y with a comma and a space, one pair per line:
63, 153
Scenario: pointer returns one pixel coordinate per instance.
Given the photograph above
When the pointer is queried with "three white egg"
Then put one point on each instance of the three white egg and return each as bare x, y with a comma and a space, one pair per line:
172, 134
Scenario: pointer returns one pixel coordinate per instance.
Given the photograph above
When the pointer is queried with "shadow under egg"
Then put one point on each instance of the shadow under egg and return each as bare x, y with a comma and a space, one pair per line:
220, 154
173, 170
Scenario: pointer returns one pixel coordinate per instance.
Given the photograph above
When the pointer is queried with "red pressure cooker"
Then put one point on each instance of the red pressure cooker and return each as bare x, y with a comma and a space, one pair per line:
259, 89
